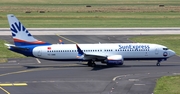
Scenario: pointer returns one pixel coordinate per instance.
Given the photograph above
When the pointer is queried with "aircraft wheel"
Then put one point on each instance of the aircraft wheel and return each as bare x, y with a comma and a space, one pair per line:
158, 64
121, 64
89, 63
93, 64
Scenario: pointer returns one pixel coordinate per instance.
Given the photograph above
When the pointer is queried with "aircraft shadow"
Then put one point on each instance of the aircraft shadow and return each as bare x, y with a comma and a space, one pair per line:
97, 67
152, 65
50, 66
100, 67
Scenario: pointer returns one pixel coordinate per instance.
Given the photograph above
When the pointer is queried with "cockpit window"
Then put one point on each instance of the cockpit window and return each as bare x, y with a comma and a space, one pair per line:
165, 48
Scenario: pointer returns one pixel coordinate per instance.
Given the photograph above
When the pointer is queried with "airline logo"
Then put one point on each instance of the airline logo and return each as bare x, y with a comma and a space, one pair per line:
19, 28
20, 34
134, 47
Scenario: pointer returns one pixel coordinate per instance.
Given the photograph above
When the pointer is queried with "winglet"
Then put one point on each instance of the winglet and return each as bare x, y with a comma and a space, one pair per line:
80, 52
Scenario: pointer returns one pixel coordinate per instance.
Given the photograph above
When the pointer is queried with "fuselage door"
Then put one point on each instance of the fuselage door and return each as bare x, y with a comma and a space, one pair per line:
146, 53
156, 51
39, 52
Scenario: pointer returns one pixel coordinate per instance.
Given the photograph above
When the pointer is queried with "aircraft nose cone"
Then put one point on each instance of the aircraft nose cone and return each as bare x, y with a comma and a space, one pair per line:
172, 52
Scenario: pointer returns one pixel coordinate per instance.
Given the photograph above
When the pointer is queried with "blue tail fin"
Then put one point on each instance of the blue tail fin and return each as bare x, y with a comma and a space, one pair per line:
20, 34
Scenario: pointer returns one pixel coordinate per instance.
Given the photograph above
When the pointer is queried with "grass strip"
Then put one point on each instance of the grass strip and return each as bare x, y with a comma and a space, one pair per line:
5, 53
168, 85
102, 14
171, 41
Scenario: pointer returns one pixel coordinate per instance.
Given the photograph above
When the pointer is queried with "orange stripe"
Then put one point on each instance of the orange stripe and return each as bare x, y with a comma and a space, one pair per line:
34, 42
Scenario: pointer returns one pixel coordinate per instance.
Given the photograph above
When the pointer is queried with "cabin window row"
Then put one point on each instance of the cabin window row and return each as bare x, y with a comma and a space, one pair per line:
107, 50
74, 50
62, 51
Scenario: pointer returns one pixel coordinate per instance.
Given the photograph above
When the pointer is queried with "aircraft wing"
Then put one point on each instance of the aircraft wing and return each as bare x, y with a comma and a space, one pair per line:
85, 56
94, 57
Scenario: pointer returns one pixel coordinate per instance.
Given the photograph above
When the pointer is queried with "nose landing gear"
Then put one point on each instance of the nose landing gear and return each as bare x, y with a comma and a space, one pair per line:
158, 64
159, 61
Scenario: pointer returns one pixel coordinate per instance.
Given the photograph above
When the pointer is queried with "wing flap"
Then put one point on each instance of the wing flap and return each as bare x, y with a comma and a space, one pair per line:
94, 56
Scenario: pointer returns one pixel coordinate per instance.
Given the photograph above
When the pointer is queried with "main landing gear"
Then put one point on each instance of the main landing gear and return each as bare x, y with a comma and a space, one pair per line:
91, 63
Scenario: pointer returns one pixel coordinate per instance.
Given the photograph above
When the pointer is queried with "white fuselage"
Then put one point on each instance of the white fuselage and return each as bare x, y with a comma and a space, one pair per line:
134, 51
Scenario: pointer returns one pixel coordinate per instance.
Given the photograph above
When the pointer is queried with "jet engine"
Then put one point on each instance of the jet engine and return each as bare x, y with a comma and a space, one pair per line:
114, 60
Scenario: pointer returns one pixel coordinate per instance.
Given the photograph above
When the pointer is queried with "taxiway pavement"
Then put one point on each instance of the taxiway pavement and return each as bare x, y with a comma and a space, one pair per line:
52, 77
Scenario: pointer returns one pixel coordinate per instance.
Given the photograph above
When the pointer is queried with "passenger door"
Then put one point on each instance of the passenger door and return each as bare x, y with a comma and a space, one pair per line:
39, 52
156, 51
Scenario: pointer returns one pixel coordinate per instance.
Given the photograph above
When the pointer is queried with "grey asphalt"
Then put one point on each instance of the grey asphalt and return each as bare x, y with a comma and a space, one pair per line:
52, 77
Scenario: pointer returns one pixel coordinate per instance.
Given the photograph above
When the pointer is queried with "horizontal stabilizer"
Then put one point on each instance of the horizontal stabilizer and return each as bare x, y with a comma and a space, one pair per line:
11, 46
8, 45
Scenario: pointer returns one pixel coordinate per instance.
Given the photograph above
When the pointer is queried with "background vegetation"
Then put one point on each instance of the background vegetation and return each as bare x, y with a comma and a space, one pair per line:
102, 13
168, 85
171, 41
5, 53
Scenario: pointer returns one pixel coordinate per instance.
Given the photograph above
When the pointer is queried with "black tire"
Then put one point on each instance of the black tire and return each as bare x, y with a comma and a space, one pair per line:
158, 64
93, 64
121, 64
89, 63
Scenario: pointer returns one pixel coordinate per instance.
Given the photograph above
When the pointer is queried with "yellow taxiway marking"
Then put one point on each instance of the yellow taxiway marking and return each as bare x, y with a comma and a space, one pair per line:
4, 90
24, 71
19, 84
8, 84
12, 67
13, 84
30, 70
67, 39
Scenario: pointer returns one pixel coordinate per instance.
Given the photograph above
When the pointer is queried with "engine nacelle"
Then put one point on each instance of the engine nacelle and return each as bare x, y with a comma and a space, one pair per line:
114, 60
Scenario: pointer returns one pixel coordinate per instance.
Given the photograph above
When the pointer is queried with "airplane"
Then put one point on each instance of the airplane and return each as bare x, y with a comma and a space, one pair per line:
107, 53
